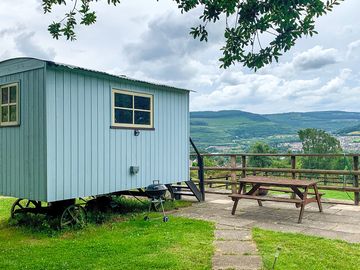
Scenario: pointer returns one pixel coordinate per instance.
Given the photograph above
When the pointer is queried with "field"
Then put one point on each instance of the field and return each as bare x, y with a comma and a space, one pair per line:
123, 242
298, 251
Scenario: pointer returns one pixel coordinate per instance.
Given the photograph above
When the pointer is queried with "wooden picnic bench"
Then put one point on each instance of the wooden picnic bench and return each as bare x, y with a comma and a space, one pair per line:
299, 187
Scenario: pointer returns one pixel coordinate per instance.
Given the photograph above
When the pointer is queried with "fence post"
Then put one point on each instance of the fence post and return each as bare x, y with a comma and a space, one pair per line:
356, 179
233, 173
293, 174
201, 176
293, 166
243, 165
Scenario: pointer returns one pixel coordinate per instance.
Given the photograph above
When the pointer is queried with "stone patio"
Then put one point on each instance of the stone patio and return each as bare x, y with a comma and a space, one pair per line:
234, 246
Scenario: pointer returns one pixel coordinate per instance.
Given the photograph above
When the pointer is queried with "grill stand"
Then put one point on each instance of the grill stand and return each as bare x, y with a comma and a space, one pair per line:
154, 203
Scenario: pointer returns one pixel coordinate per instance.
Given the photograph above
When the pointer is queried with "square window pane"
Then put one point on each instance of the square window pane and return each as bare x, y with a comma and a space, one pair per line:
142, 103
13, 94
123, 116
5, 95
13, 113
124, 101
5, 114
142, 118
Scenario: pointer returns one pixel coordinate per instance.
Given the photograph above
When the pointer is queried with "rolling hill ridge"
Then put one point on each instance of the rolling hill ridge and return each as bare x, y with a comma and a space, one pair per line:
225, 127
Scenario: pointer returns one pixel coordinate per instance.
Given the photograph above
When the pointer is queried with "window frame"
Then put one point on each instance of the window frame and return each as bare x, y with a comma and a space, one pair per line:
17, 104
115, 91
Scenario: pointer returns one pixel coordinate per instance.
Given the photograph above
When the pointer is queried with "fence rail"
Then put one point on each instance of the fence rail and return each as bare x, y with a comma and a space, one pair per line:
294, 172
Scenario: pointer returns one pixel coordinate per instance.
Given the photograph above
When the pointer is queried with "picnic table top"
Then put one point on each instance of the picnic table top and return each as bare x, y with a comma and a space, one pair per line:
277, 182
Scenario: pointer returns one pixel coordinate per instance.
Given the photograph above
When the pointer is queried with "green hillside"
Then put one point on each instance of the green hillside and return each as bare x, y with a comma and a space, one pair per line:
231, 127
330, 121
353, 130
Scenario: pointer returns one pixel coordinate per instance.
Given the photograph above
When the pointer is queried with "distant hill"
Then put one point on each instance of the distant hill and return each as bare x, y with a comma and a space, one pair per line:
229, 114
223, 127
330, 121
350, 130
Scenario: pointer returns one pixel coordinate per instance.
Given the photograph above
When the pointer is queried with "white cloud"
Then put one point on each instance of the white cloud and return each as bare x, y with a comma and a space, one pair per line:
335, 85
18, 41
264, 93
353, 49
27, 45
315, 58
309, 61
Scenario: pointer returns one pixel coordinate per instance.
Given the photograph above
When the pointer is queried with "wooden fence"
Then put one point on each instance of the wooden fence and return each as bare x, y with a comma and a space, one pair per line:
238, 164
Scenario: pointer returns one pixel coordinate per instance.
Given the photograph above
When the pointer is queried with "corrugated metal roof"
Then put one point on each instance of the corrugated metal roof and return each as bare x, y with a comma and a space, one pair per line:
123, 77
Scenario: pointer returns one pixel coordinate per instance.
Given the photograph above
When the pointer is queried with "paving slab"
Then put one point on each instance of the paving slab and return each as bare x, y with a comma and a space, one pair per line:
349, 228
238, 235
352, 208
234, 247
238, 262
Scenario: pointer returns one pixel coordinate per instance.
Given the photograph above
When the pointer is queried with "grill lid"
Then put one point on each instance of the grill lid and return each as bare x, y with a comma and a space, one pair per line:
156, 187
155, 190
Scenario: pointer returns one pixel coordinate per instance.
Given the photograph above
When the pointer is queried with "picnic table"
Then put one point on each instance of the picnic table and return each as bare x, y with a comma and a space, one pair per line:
300, 189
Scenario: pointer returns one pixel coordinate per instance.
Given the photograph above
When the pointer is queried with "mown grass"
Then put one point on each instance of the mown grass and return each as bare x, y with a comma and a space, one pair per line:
299, 251
329, 194
340, 195
122, 241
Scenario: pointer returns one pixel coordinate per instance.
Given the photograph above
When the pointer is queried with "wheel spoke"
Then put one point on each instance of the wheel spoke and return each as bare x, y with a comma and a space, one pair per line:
77, 213
66, 223
73, 215
76, 220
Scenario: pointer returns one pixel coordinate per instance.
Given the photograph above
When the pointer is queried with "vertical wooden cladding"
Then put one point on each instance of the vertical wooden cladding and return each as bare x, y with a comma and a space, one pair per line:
86, 157
23, 148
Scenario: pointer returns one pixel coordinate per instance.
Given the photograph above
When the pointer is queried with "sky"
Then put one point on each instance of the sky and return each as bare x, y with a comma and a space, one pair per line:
149, 40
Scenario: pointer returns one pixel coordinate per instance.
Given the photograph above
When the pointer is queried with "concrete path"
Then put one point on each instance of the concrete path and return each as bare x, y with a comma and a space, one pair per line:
234, 246
234, 249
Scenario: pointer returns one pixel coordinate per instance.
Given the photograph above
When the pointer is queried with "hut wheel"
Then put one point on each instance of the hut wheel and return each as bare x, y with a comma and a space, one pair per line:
74, 215
24, 206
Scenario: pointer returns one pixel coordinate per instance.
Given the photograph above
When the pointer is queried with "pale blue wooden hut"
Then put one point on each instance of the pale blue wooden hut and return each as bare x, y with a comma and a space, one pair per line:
68, 132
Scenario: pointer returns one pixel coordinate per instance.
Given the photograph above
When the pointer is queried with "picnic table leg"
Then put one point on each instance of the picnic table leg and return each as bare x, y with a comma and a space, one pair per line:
303, 203
298, 193
236, 201
235, 206
255, 190
318, 199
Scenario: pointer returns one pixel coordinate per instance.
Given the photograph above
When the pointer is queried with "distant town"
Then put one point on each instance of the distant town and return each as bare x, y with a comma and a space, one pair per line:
348, 144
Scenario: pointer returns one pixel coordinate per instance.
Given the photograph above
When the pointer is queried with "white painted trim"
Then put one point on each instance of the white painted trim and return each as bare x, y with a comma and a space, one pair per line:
133, 94
17, 103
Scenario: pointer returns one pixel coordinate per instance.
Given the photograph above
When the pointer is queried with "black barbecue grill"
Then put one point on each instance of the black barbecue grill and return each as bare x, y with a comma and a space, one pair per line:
156, 194
156, 191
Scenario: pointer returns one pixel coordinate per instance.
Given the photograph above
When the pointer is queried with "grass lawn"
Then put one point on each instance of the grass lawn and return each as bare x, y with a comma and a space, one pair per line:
123, 242
340, 195
306, 252
330, 194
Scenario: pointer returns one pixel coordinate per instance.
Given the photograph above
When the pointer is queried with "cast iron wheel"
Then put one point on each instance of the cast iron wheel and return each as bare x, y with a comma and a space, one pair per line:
24, 206
73, 216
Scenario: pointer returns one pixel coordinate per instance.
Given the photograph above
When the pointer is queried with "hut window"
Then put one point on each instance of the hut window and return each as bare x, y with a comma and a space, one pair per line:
133, 110
9, 110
